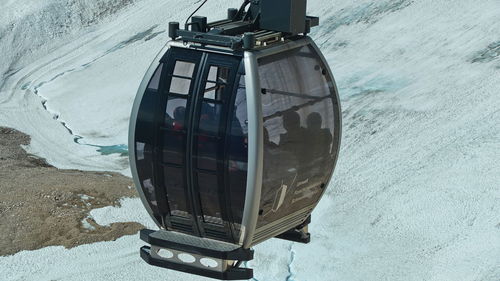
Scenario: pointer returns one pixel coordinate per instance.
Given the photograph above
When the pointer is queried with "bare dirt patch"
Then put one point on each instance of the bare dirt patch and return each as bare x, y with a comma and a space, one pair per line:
41, 205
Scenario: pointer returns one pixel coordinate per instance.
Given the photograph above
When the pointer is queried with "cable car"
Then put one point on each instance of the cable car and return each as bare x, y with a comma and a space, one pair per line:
234, 136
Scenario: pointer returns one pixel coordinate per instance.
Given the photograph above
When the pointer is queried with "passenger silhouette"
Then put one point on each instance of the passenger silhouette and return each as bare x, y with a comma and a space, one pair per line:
319, 143
294, 132
179, 118
209, 119
292, 143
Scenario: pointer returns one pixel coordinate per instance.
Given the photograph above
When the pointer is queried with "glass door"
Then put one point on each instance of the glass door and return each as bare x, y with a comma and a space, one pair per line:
173, 118
214, 107
201, 135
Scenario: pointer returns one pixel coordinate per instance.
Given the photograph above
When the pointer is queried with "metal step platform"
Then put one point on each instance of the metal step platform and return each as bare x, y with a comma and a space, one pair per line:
195, 255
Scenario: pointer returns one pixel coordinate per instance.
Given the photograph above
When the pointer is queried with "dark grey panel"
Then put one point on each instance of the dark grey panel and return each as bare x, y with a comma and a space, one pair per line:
283, 15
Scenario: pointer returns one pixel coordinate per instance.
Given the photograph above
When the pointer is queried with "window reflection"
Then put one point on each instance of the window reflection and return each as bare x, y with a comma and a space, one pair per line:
155, 81
214, 91
218, 74
210, 117
238, 153
139, 148
145, 141
183, 68
206, 154
173, 148
149, 190
175, 113
175, 187
180, 86
208, 140
209, 196
298, 132
216, 82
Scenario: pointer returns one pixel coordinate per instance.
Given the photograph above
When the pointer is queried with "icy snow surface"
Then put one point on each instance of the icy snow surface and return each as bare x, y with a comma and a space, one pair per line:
416, 194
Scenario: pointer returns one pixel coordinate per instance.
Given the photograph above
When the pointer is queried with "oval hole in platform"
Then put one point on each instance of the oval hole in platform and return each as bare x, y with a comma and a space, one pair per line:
209, 262
164, 253
187, 258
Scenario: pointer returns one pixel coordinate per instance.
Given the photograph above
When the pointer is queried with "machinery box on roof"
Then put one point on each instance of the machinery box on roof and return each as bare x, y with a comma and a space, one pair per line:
284, 15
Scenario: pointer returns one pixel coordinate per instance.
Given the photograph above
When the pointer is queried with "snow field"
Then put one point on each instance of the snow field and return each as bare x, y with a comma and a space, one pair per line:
416, 193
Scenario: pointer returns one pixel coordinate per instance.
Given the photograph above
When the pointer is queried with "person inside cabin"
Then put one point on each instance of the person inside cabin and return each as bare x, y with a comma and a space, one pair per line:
319, 143
173, 143
179, 118
293, 144
294, 132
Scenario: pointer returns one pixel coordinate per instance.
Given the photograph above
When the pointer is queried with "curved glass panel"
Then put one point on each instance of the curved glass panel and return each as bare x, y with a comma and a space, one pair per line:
238, 154
174, 137
174, 140
144, 141
191, 144
298, 115
214, 138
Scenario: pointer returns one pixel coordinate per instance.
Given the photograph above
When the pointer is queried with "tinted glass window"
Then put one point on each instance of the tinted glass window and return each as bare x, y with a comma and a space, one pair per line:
206, 153
216, 82
176, 191
180, 86
210, 119
184, 69
145, 140
155, 81
214, 91
192, 149
298, 131
238, 153
175, 114
208, 141
218, 74
144, 154
173, 148
210, 197
182, 75
174, 138
220, 144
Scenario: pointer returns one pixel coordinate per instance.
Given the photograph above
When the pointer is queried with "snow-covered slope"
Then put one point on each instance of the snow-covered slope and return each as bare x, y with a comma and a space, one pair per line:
416, 194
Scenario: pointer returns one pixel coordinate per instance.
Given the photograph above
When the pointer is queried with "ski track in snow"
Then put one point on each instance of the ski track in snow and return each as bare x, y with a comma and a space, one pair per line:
416, 192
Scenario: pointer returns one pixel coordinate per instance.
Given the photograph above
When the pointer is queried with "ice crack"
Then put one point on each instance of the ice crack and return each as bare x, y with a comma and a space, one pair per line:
290, 263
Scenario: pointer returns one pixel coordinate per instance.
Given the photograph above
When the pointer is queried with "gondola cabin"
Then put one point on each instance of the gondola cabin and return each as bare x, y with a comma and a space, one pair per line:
233, 140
